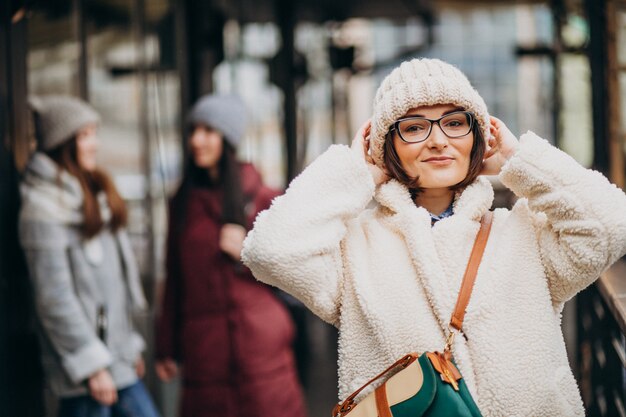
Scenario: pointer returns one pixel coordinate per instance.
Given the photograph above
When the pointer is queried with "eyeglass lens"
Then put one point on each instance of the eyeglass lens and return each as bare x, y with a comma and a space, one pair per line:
417, 129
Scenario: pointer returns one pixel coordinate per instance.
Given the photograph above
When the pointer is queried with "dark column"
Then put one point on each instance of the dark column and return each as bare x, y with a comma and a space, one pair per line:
205, 45
597, 51
139, 33
559, 14
200, 48
592, 327
81, 35
21, 392
285, 14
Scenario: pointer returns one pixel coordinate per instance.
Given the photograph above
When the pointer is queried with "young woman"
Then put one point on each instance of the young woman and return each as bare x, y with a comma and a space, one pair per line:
230, 333
84, 274
388, 277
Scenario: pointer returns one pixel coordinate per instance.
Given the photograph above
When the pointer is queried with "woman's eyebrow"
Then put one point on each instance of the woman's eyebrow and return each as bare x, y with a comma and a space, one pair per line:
452, 111
442, 114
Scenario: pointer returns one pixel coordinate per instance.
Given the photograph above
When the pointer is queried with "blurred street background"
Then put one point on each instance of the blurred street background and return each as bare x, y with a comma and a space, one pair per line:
307, 71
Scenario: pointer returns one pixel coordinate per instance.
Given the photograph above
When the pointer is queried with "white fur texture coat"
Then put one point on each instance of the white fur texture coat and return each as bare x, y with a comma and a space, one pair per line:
389, 281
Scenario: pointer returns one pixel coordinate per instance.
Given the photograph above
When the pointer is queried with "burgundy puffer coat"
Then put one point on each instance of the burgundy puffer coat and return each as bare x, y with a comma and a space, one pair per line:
229, 331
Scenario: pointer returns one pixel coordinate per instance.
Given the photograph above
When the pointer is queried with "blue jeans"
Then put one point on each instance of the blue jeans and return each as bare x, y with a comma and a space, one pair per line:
133, 401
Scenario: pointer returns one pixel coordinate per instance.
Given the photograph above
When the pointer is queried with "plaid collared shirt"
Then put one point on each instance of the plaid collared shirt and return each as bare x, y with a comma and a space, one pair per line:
434, 218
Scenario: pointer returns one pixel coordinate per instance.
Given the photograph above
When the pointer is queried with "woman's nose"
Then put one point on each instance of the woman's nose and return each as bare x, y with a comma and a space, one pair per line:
437, 138
196, 139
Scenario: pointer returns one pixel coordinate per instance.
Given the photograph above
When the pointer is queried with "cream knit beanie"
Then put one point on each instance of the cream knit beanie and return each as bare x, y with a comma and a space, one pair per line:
421, 82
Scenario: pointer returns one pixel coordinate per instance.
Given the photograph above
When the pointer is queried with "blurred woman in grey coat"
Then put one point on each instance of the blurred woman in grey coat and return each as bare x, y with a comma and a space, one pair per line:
83, 271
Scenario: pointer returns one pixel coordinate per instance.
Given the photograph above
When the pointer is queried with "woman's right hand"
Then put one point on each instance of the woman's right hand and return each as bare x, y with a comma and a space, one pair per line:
102, 388
361, 146
166, 369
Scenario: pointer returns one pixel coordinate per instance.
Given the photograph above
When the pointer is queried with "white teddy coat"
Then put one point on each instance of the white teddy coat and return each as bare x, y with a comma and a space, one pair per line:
389, 281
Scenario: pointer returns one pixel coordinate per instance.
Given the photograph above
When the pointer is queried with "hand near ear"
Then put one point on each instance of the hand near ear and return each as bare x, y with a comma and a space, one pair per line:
502, 145
361, 145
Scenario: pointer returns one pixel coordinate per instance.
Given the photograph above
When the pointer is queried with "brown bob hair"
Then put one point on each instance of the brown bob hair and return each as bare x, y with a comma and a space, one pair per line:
395, 170
91, 183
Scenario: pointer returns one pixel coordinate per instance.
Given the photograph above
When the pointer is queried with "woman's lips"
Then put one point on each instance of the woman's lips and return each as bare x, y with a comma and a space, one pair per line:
440, 161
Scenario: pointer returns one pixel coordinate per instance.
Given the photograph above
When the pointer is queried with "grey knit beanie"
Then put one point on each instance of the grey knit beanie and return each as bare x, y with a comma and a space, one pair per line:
225, 113
58, 118
421, 82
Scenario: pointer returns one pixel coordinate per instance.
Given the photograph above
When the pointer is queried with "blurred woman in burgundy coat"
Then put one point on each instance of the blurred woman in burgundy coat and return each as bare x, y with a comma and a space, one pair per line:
229, 332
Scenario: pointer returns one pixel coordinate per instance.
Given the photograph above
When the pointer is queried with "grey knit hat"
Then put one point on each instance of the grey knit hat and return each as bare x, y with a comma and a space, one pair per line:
421, 82
225, 113
58, 118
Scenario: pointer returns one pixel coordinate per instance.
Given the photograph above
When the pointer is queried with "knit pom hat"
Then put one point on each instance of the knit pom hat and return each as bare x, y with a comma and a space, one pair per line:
416, 83
225, 113
58, 118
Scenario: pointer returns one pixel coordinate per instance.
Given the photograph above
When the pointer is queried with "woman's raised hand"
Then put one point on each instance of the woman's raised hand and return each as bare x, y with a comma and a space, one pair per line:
502, 146
231, 240
361, 145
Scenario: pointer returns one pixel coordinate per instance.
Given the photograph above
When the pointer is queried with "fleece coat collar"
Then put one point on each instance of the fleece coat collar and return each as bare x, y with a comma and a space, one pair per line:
413, 223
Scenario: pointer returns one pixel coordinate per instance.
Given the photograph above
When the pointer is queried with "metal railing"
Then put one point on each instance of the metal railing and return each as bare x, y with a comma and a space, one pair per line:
602, 344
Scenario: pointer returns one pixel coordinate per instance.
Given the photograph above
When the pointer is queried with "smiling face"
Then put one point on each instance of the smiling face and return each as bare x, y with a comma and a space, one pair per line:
439, 161
206, 145
87, 147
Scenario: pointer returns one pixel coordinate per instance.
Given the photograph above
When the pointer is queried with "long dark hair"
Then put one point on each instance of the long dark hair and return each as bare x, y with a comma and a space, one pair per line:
395, 169
229, 180
91, 183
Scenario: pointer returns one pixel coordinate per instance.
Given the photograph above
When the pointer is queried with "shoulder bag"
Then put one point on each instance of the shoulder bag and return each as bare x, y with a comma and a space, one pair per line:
430, 384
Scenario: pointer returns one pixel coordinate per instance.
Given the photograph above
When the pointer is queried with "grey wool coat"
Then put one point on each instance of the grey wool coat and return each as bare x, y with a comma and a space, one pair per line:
73, 279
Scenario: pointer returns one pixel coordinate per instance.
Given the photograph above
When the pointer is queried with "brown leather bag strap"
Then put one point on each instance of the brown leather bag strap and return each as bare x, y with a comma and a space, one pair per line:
470, 271
382, 403
348, 404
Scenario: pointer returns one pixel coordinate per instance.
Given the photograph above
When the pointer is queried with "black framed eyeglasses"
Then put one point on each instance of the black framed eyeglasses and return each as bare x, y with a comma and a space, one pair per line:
415, 129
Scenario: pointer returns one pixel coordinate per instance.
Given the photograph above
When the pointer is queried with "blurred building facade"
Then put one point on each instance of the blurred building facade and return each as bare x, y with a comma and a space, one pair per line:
308, 71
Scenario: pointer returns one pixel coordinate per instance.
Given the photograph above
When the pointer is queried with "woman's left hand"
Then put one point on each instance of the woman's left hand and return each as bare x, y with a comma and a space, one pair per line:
140, 367
502, 146
231, 240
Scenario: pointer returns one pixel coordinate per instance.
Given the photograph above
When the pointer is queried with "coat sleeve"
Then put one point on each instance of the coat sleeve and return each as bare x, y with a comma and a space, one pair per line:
64, 322
579, 216
168, 323
265, 197
296, 244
